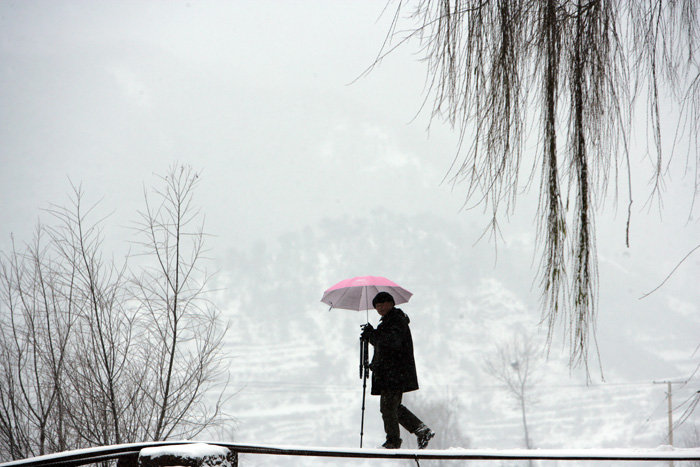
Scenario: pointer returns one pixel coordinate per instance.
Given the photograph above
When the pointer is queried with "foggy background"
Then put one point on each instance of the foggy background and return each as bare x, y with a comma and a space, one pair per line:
310, 176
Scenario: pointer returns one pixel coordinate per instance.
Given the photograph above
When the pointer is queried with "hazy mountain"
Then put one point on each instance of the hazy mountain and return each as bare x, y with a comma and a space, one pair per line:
295, 363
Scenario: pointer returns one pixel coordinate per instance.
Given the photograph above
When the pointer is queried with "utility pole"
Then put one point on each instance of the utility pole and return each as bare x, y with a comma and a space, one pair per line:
669, 397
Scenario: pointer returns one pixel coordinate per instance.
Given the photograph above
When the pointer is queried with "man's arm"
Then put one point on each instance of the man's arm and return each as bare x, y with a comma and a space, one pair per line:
389, 335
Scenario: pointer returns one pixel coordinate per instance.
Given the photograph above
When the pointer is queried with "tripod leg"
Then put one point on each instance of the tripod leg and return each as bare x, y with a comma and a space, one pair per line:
364, 391
364, 371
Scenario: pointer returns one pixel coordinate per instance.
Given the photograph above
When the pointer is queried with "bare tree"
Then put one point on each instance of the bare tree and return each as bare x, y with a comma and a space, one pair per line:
102, 345
35, 327
515, 366
88, 359
184, 360
581, 64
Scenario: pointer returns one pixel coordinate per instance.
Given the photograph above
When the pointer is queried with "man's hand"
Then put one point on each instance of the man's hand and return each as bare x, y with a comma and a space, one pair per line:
367, 331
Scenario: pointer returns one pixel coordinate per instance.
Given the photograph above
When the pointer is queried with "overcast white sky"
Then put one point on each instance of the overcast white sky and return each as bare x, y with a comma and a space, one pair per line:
256, 95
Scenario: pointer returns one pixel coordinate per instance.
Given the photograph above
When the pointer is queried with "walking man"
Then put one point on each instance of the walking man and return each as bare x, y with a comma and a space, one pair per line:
394, 371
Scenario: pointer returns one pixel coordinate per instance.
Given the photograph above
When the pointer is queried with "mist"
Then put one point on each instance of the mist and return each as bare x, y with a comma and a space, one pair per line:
312, 172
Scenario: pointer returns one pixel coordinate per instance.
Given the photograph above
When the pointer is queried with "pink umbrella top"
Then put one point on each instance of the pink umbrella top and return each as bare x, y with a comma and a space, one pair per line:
362, 281
357, 293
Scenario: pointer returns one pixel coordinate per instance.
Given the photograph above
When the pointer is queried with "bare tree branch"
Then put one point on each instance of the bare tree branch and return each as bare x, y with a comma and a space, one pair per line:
515, 365
580, 64
89, 356
186, 335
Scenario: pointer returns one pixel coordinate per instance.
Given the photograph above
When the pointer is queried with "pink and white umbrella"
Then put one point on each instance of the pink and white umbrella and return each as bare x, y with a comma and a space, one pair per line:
357, 293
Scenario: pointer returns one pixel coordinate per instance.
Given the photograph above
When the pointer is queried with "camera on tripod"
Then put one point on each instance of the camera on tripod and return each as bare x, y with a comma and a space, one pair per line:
364, 352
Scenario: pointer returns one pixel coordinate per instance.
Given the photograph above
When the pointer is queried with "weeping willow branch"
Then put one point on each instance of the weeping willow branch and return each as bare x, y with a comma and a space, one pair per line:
580, 63
551, 226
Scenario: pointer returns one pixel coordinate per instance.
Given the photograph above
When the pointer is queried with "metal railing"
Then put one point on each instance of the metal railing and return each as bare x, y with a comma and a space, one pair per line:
128, 454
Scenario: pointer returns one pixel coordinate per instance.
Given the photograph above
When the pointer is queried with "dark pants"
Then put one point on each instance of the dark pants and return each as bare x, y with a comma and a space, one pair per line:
395, 413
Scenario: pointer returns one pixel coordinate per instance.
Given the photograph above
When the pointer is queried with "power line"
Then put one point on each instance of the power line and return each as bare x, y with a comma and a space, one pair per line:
284, 386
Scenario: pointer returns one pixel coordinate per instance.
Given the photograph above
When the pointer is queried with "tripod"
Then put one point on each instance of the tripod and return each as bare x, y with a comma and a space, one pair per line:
364, 372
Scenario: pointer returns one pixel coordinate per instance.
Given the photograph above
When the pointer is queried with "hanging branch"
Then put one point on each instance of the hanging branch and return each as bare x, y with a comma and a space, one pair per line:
488, 61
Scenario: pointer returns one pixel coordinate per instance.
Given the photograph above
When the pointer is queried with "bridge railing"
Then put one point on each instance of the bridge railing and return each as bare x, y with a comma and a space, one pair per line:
199, 454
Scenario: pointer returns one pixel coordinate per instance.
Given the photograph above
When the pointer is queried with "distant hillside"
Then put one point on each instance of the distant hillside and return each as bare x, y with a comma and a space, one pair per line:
295, 364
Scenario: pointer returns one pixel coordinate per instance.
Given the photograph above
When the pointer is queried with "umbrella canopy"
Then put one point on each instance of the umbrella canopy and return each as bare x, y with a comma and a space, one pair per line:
357, 293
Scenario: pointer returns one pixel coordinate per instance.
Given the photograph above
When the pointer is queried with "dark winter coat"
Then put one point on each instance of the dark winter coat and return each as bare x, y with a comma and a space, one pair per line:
393, 366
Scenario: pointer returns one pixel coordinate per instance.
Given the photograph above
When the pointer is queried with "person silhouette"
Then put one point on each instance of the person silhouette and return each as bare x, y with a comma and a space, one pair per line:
394, 371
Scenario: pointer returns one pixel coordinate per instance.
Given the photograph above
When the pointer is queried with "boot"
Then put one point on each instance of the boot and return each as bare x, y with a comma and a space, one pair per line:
423, 436
392, 444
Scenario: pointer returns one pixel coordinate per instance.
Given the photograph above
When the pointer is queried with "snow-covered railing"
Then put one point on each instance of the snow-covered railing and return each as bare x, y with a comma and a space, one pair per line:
663, 453
129, 453
191, 455
91, 455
